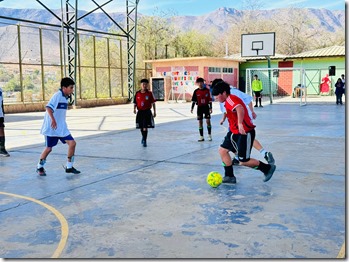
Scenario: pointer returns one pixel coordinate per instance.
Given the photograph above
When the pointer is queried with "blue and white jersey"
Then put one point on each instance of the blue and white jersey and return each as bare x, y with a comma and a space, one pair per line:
59, 106
243, 96
1, 103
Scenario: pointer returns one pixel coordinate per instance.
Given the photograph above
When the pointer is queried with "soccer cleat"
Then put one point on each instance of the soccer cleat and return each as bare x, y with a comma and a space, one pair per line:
209, 138
41, 171
269, 157
201, 139
72, 170
229, 180
235, 161
269, 174
3, 152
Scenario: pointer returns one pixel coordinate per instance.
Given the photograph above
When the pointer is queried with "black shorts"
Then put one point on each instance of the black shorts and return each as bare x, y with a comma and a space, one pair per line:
203, 110
2, 122
240, 144
144, 119
257, 93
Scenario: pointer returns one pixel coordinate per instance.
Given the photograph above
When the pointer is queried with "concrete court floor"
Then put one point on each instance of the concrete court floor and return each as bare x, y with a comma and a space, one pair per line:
135, 202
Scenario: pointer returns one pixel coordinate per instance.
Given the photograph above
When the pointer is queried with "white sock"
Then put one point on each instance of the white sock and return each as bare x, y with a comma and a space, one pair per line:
263, 152
69, 164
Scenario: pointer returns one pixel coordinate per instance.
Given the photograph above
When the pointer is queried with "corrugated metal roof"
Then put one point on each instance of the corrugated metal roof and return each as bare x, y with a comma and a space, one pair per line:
323, 52
238, 57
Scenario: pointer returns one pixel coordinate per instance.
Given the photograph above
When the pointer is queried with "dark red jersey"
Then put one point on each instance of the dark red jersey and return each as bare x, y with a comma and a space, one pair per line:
230, 104
202, 97
144, 100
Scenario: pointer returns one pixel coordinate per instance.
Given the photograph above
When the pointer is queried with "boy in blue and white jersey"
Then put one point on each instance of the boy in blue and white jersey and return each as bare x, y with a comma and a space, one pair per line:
55, 126
3, 151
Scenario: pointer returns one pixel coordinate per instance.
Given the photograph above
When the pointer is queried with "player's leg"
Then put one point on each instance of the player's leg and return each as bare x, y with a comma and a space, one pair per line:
144, 136
208, 123
3, 151
244, 151
69, 140
49, 142
200, 117
266, 154
260, 99
225, 147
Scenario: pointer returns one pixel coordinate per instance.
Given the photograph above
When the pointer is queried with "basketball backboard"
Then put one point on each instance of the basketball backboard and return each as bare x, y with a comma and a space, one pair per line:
262, 44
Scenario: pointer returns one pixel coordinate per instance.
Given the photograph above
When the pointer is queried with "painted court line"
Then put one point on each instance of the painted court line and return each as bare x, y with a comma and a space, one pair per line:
62, 220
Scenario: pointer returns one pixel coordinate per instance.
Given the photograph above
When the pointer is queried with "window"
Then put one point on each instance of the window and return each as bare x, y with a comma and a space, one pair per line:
228, 70
214, 69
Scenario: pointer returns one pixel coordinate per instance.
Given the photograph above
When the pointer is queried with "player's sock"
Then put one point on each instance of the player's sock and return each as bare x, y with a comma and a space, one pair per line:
263, 152
201, 131
209, 128
70, 161
41, 163
263, 167
229, 171
257, 101
145, 135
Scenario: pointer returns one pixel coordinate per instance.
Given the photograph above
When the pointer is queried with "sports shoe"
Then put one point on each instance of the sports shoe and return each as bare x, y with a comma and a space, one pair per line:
235, 161
256, 106
72, 170
3, 152
201, 138
209, 138
260, 106
41, 171
142, 141
269, 174
269, 157
145, 144
229, 180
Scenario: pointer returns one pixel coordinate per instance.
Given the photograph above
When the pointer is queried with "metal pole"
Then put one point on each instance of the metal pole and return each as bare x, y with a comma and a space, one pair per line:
109, 78
20, 61
269, 78
94, 64
42, 66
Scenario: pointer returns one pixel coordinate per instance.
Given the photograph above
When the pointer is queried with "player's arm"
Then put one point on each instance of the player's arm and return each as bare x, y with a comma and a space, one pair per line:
223, 118
49, 111
254, 115
240, 113
154, 110
194, 100
210, 106
134, 105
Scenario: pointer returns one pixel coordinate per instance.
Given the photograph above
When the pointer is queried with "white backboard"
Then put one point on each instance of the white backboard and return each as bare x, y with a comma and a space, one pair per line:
262, 44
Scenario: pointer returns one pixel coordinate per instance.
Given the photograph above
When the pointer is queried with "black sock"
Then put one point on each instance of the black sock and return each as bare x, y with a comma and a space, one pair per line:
229, 171
145, 135
257, 101
260, 101
2, 142
209, 128
201, 131
263, 167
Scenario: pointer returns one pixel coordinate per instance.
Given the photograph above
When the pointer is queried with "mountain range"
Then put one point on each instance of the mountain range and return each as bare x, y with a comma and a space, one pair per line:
217, 21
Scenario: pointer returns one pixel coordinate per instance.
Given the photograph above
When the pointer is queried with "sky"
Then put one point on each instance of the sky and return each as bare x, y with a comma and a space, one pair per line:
177, 7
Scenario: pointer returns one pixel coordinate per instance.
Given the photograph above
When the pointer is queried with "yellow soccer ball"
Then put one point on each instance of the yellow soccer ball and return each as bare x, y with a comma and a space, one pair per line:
214, 179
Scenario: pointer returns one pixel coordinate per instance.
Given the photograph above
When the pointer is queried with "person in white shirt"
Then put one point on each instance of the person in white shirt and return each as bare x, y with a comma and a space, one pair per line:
3, 151
247, 99
55, 126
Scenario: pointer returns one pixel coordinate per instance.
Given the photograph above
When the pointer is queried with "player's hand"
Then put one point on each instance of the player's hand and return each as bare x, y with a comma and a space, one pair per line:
134, 111
210, 111
222, 121
154, 115
191, 111
54, 124
254, 115
241, 129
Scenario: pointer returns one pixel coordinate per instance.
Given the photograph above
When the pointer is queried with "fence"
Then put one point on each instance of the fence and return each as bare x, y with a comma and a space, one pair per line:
31, 65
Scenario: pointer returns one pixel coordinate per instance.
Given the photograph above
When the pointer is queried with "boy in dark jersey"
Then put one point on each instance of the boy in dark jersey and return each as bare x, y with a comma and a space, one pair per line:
143, 101
240, 136
203, 99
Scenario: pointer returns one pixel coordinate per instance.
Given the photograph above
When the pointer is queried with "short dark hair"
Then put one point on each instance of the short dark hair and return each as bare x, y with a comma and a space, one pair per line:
219, 87
67, 81
200, 80
144, 80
